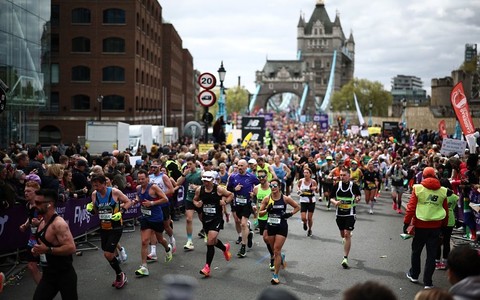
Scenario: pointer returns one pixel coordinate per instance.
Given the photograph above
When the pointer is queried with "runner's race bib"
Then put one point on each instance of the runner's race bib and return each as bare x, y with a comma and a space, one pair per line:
145, 211
274, 220
240, 200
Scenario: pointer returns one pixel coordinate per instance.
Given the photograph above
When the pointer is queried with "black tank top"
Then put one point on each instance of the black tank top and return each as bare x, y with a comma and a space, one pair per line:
54, 263
211, 204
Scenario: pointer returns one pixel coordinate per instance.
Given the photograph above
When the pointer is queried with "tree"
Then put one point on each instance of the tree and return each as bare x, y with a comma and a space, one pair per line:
236, 100
366, 91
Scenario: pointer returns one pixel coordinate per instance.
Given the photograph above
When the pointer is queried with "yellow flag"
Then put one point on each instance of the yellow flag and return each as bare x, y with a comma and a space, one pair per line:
229, 139
247, 139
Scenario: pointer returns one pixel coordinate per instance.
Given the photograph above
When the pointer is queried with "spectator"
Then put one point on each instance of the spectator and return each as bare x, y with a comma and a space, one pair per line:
119, 179
464, 273
433, 294
79, 175
369, 290
49, 160
7, 192
55, 153
53, 181
34, 164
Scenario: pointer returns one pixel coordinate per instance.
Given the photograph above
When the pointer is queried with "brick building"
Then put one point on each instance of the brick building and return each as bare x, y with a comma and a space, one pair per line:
115, 61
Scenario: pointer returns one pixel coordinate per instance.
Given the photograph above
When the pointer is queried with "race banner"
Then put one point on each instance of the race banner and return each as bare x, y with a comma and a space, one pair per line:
442, 129
460, 105
254, 127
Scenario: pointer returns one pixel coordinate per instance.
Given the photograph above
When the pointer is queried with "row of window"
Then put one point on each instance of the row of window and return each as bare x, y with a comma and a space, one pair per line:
82, 73
110, 16
82, 102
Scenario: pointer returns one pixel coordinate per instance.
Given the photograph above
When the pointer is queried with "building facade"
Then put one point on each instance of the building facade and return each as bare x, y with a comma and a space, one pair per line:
108, 63
24, 67
409, 88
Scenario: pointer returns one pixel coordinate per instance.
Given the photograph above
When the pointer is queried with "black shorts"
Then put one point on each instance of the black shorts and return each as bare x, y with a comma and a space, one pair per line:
190, 206
155, 226
304, 207
243, 210
213, 224
346, 223
110, 239
166, 212
262, 225
277, 230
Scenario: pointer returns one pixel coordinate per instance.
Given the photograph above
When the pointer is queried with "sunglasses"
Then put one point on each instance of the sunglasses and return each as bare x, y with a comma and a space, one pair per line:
262, 176
274, 185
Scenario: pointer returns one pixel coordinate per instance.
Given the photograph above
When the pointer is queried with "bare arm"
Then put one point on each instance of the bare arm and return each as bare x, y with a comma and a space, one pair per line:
125, 202
292, 203
226, 195
160, 194
168, 185
65, 238
196, 199
263, 206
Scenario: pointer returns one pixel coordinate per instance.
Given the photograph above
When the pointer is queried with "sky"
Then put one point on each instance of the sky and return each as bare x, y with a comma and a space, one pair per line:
409, 37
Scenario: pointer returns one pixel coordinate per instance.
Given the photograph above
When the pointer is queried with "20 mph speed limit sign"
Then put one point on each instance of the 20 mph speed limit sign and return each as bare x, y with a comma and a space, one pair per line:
206, 98
207, 80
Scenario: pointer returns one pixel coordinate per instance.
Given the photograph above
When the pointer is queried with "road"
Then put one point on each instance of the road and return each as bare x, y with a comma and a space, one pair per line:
313, 271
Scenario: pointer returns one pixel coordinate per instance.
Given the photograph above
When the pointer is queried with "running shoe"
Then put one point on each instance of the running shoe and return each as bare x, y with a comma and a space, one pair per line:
121, 281
123, 255
427, 287
399, 211
438, 265
394, 206
386, 188
370, 211
169, 254
227, 253
174, 244
151, 258
275, 279
242, 253
271, 266
239, 240
2, 281
345, 263
250, 239
305, 226
205, 271
189, 246
283, 262
309, 233
201, 234
410, 277
143, 271
227, 217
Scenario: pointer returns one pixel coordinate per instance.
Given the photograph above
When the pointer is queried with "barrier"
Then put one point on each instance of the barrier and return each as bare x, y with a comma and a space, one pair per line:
73, 211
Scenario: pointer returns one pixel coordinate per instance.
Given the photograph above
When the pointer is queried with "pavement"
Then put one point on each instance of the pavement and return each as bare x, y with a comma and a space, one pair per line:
313, 271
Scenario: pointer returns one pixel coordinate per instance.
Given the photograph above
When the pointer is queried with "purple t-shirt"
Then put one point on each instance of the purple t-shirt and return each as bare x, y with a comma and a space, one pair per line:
248, 182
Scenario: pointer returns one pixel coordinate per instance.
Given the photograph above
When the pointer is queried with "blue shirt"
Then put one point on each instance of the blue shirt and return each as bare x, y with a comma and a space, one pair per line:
248, 182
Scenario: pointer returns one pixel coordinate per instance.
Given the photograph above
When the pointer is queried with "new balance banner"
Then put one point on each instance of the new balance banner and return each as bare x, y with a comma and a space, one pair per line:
254, 125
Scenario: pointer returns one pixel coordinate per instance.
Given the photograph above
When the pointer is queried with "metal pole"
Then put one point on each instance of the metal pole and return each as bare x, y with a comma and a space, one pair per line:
206, 126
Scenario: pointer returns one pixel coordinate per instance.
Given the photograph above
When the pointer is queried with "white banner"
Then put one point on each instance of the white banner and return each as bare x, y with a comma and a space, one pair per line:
360, 117
453, 145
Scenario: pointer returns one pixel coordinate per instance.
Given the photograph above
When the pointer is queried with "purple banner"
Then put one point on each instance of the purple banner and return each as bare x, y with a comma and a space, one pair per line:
73, 211
268, 116
322, 119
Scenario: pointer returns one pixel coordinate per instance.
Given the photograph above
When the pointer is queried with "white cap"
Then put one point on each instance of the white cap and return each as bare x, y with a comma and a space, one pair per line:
252, 161
208, 176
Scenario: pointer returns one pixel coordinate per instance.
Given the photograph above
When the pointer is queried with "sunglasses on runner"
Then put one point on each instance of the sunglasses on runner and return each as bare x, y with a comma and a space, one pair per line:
274, 185
261, 176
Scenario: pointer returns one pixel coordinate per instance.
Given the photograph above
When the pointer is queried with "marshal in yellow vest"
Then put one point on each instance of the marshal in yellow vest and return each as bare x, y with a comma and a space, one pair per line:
430, 203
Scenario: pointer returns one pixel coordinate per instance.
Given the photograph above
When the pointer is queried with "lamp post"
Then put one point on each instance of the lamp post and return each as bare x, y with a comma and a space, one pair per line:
370, 106
100, 104
221, 102
404, 112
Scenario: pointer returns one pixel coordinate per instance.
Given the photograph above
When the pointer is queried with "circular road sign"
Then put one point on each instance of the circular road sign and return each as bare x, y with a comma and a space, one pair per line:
207, 80
206, 98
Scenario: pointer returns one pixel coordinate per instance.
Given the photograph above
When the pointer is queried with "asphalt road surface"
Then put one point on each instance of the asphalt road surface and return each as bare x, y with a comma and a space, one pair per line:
313, 270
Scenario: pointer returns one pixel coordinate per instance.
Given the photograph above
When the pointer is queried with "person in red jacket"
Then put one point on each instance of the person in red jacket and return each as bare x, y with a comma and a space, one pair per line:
427, 211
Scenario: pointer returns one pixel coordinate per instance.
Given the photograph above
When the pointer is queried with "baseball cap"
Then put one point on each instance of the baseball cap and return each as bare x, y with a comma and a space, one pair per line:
252, 161
329, 157
429, 172
207, 176
33, 177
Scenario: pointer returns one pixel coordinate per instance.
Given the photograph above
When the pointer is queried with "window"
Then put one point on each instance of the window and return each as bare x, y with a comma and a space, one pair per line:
113, 102
114, 45
54, 73
80, 44
55, 43
55, 17
54, 101
113, 74
81, 102
81, 16
80, 73
114, 16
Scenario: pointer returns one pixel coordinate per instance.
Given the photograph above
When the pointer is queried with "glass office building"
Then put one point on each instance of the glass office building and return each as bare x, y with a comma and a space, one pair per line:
24, 67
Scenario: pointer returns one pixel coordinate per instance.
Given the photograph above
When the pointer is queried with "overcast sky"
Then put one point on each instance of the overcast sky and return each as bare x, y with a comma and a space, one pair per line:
423, 38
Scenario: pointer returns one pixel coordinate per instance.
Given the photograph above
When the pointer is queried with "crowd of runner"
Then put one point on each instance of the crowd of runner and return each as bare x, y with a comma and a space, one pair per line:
249, 184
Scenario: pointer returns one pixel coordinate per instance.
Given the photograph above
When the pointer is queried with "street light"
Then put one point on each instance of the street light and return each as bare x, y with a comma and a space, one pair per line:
404, 112
100, 104
221, 102
370, 106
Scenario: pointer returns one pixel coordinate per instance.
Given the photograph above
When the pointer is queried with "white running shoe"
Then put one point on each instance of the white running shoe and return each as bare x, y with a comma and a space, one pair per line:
174, 244
189, 246
123, 255
143, 271
168, 254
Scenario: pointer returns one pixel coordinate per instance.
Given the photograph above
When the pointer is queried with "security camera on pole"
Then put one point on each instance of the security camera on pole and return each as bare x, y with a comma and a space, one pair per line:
207, 98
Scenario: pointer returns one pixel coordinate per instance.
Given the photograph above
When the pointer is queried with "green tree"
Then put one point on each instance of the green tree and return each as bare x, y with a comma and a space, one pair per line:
366, 91
236, 100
